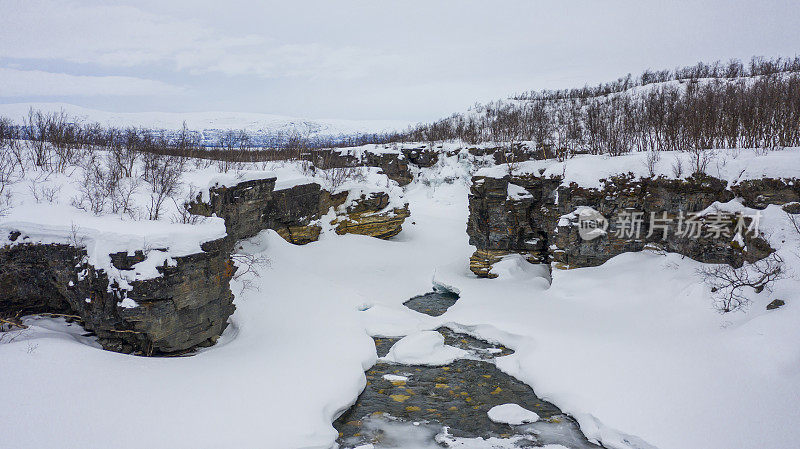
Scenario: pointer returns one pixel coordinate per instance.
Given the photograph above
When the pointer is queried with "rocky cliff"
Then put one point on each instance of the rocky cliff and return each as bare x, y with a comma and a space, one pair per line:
296, 213
188, 303
538, 217
394, 163
186, 307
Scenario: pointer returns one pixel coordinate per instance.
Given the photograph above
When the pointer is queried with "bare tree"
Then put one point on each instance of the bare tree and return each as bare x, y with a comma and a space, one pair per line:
164, 177
677, 168
9, 174
700, 159
651, 162
95, 188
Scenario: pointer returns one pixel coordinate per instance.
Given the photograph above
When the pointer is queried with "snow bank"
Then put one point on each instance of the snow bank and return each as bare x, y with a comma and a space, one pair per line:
424, 348
512, 414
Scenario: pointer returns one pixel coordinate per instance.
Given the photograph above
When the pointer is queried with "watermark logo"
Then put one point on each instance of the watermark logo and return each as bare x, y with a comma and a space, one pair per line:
634, 225
591, 224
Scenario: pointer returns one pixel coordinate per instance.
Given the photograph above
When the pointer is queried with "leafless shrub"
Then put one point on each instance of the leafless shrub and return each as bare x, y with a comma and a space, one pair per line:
10, 169
727, 283
97, 186
307, 168
124, 150
121, 197
699, 160
234, 144
43, 192
653, 156
163, 173
6, 203
761, 151
338, 176
63, 137
677, 168
511, 160
249, 266
202, 163
35, 125
7, 130
75, 237
183, 215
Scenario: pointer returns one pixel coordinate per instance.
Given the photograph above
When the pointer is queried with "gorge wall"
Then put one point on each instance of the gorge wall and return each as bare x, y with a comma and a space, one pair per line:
537, 217
296, 213
187, 306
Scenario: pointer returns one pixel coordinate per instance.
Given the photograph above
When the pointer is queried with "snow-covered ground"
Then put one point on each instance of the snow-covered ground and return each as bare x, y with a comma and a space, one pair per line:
633, 349
730, 165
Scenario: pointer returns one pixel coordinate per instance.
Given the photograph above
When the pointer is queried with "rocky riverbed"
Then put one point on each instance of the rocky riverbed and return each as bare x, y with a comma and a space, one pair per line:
421, 406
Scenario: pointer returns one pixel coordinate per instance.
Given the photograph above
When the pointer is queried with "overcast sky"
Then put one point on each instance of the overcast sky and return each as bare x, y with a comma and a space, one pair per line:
405, 60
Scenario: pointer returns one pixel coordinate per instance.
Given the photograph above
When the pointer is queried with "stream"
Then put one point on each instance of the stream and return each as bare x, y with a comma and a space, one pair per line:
421, 407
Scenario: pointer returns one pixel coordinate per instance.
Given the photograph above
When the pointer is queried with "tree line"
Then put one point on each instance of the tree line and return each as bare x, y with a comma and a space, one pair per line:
57, 137
737, 107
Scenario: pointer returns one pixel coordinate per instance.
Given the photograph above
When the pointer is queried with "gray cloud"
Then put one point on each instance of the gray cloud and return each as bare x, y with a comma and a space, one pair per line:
36, 83
409, 60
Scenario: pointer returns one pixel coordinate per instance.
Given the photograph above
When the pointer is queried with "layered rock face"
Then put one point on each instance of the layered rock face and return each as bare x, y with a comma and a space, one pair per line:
536, 217
421, 157
362, 217
186, 307
500, 224
296, 213
759, 193
393, 163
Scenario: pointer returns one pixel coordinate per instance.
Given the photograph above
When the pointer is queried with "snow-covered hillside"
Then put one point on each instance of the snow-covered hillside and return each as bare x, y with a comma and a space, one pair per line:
209, 122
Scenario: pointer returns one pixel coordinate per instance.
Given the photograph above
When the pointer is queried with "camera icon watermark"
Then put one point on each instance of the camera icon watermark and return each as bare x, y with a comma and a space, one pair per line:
591, 223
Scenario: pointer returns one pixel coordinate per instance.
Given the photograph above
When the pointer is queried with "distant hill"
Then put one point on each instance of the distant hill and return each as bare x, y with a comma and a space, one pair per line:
211, 124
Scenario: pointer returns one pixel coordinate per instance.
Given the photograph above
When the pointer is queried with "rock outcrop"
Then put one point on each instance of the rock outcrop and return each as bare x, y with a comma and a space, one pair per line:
186, 307
758, 193
394, 163
296, 213
421, 157
536, 217
369, 215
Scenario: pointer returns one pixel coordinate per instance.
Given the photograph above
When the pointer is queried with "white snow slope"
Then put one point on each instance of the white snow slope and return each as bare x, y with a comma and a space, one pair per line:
633, 348
214, 120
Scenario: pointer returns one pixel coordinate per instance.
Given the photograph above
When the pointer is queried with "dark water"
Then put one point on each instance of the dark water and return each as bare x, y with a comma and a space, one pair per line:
411, 407
434, 303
